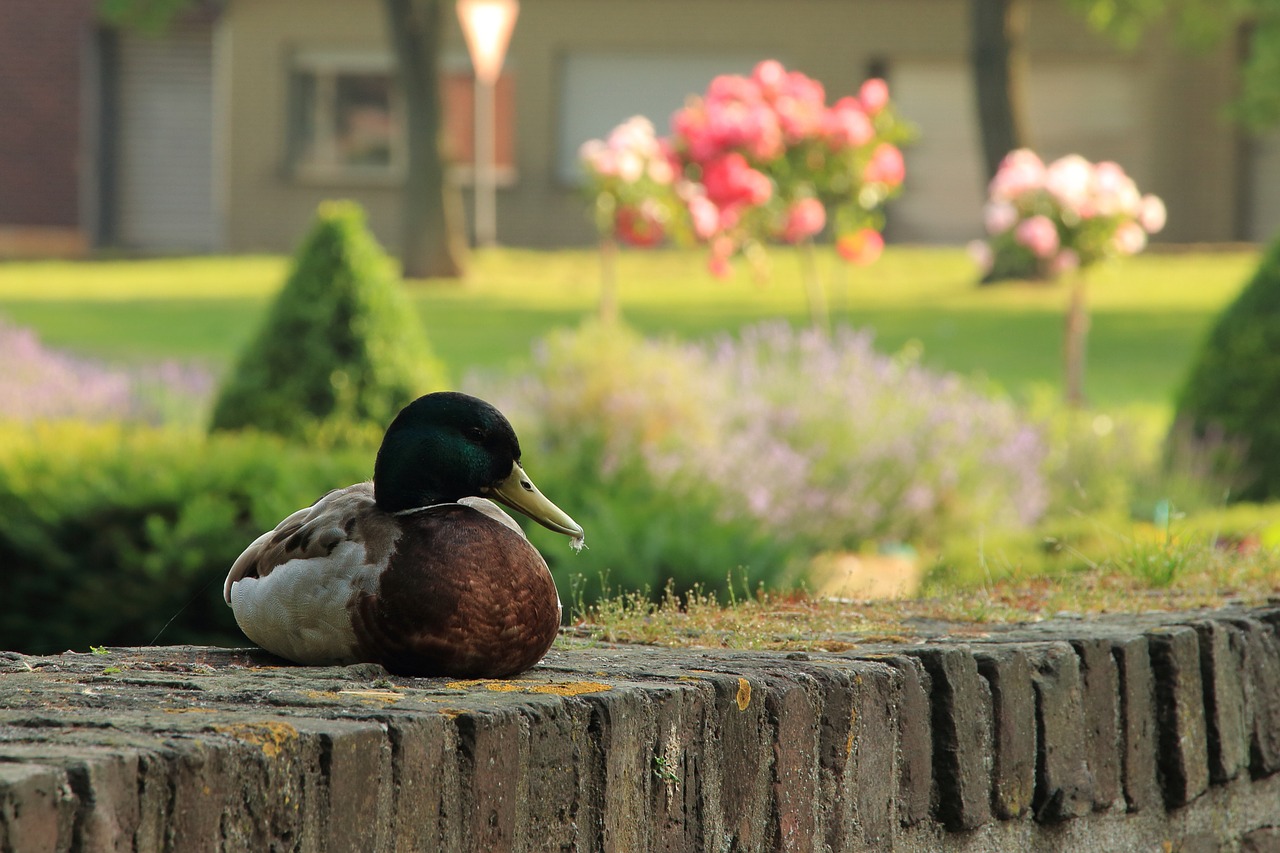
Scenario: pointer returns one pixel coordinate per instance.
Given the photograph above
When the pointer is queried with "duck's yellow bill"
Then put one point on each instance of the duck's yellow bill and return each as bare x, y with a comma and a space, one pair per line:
519, 493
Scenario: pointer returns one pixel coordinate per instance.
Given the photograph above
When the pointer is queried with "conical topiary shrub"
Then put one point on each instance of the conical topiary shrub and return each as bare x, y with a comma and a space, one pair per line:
341, 342
1229, 410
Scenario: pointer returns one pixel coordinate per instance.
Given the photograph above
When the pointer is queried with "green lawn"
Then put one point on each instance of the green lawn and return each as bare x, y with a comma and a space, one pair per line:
1149, 313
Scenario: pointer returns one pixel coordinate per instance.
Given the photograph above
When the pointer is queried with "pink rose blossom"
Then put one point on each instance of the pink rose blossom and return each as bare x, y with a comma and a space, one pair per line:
730, 180
1069, 179
886, 166
999, 216
1114, 192
705, 216
846, 124
634, 134
732, 87
730, 216
981, 254
639, 226
1038, 234
803, 88
860, 247
722, 249
874, 95
804, 219
1130, 238
769, 76
630, 166
1152, 215
1019, 172
1064, 261
799, 119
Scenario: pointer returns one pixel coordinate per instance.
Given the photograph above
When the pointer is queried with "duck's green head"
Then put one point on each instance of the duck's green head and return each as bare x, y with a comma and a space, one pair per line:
446, 446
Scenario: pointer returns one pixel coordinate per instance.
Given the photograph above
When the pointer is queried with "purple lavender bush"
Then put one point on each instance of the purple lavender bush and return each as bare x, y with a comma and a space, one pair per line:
847, 445
766, 448
39, 383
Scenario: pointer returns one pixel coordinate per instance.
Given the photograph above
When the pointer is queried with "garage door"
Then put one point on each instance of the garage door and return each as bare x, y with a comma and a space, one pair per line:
1264, 191
165, 196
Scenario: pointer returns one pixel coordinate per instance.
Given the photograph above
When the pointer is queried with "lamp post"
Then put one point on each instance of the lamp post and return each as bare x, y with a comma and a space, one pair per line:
487, 26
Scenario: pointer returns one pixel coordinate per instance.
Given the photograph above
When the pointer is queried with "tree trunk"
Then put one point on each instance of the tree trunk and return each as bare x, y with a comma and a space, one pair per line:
608, 310
999, 73
431, 213
814, 293
1073, 343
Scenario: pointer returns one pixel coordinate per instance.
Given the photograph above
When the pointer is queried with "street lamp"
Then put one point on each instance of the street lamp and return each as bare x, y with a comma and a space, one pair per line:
487, 26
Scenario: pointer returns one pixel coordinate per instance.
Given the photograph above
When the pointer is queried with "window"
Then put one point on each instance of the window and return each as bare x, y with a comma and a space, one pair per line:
346, 119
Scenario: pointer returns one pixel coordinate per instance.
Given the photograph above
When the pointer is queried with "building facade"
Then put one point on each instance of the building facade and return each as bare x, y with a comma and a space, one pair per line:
224, 133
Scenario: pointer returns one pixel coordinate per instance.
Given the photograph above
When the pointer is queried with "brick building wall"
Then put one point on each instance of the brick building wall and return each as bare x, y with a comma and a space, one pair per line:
42, 55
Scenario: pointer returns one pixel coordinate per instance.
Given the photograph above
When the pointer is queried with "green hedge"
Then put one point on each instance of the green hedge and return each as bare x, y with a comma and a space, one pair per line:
341, 342
108, 532
1228, 413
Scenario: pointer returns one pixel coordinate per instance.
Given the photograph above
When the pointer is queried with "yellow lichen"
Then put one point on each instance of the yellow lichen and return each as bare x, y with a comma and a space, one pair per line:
321, 695
379, 695
567, 688
270, 736
572, 688
853, 728
744, 694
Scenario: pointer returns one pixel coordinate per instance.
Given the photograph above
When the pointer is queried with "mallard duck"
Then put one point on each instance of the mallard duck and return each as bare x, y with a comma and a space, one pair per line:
418, 570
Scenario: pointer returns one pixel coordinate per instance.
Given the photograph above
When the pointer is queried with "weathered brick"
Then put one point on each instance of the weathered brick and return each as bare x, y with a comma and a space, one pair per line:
1064, 787
1183, 757
877, 701
37, 808
252, 784
357, 761
1221, 662
836, 734
492, 748
743, 740
1265, 839
427, 806
686, 795
1100, 687
1260, 653
961, 715
1013, 704
915, 744
108, 790
623, 734
1139, 734
560, 807
793, 710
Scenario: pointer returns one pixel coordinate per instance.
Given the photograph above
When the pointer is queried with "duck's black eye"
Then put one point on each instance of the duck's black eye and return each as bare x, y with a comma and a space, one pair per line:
476, 433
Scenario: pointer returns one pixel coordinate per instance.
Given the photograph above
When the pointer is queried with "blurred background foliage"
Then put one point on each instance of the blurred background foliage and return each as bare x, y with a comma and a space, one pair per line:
706, 457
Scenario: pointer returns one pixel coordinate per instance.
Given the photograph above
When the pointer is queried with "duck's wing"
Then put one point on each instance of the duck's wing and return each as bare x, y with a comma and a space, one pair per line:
491, 509
343, 515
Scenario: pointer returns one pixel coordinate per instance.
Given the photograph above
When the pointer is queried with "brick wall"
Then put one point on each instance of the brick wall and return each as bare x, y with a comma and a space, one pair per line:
42, 46
1157, 732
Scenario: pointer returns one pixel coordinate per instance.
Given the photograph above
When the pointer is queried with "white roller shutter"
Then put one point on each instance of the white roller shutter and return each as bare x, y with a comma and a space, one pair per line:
1264, 192
165, 168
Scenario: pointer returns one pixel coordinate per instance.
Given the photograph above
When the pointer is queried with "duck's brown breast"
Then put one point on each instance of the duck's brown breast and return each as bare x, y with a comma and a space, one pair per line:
463, 595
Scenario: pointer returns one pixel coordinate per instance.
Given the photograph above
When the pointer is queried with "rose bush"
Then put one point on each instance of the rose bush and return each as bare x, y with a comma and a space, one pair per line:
1046, 220
755, 159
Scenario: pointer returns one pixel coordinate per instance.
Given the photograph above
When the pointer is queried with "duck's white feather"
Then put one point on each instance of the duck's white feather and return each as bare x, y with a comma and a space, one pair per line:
299, 611
291, 588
